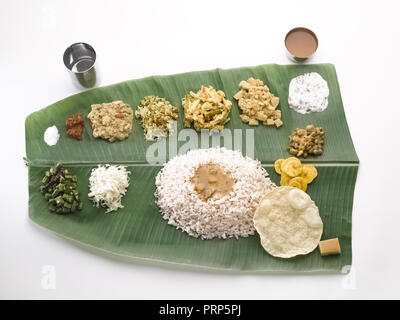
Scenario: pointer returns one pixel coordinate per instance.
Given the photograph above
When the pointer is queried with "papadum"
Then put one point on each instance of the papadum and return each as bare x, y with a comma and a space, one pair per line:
288, 222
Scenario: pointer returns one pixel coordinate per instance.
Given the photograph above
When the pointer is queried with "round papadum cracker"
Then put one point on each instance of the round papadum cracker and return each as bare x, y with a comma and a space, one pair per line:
288, 222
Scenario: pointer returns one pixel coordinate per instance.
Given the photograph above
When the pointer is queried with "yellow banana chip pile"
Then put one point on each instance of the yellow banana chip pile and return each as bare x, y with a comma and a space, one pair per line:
294, 174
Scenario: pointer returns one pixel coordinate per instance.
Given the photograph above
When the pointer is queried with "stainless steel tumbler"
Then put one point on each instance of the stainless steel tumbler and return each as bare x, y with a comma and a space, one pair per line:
80, 60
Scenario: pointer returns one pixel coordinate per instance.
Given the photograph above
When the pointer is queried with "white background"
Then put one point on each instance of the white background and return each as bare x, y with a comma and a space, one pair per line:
134, 39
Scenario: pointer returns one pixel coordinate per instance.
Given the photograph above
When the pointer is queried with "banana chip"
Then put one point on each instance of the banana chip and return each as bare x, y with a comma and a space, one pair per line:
298, 182
285, 179
292, 167
309, 173
294, 174
277, 165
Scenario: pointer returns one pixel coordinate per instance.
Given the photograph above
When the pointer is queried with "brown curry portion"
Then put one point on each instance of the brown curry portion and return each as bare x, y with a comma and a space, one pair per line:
74, 125
210, 181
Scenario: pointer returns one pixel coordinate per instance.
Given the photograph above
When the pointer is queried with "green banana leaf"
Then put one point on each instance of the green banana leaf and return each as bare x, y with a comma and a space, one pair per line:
137, 232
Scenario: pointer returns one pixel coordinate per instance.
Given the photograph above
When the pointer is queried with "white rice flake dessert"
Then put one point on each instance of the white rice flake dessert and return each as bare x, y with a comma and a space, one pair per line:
308, 93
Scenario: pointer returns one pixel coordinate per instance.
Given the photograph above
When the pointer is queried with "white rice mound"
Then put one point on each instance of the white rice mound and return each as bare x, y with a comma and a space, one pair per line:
230, 216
